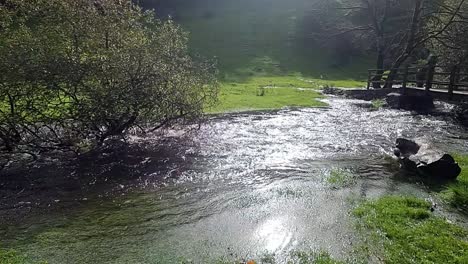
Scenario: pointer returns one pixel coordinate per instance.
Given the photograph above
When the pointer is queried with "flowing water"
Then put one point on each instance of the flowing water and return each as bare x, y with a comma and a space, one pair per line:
242, 186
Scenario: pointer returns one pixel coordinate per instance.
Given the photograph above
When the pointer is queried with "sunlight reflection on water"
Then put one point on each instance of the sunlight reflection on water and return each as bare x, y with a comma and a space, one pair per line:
275, 234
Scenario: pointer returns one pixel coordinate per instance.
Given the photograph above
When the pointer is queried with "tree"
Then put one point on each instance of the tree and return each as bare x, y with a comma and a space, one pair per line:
430, 20
375, 24
399, 30
82, 71
451, 45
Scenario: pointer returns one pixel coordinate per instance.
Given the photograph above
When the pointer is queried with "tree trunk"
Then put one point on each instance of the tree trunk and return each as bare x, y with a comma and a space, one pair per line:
409, 47
379, 66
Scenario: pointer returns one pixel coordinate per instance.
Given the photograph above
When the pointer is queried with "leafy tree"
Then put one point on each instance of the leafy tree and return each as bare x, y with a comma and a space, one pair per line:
79, 70
430, 21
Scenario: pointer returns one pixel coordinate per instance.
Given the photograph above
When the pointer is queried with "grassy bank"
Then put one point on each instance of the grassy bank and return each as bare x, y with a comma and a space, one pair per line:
262, 93
403, 230
457, 192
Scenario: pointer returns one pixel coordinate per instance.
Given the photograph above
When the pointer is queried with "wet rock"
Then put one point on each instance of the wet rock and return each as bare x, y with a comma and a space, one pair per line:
425, 164
446, 168
419, 103
406, 148
408, 165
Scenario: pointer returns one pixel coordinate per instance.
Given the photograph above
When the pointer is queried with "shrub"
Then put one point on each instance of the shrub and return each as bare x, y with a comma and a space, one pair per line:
76, 70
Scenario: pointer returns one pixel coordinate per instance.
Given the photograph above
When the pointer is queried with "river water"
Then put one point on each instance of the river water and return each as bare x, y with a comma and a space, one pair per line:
242, 186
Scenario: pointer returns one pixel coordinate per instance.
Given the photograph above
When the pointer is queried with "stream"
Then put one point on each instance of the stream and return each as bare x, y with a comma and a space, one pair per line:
244, 185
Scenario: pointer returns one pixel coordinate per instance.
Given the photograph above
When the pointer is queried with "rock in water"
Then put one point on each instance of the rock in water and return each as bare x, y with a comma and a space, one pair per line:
419, 103
445, 168
406, 148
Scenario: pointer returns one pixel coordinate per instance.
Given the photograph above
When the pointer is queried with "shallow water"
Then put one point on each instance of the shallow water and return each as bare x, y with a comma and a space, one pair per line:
242, 186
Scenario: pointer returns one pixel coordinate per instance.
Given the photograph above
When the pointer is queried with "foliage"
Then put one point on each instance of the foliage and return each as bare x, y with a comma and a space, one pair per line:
451, 45
90, 70
401, 32
457, 193
410, 233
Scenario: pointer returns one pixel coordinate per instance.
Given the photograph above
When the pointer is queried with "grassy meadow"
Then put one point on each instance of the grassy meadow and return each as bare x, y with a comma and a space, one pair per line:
263, 93
258, 44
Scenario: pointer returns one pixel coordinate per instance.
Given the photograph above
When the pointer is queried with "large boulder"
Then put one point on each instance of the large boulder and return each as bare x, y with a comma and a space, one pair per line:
446, 168
419, 103
425, 162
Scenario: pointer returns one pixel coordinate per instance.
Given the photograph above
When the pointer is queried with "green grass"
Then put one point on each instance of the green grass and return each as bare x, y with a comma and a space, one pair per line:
377, 104
300, 257
12, 257
457, 193
339, 178
263, 93
410, 233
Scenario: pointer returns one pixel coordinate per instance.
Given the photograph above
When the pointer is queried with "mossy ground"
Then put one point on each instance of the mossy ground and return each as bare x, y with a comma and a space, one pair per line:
410, 233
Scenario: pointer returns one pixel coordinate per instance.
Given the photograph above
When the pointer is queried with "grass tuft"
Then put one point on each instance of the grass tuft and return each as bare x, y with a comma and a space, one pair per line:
301, 257
377, 104
340, 178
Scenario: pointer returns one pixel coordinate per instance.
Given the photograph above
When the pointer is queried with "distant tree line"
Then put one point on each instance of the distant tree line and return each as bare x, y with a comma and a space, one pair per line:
77, 72
399, 31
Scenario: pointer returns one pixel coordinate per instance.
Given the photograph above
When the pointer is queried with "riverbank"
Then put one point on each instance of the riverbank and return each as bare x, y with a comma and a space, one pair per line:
456, 193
